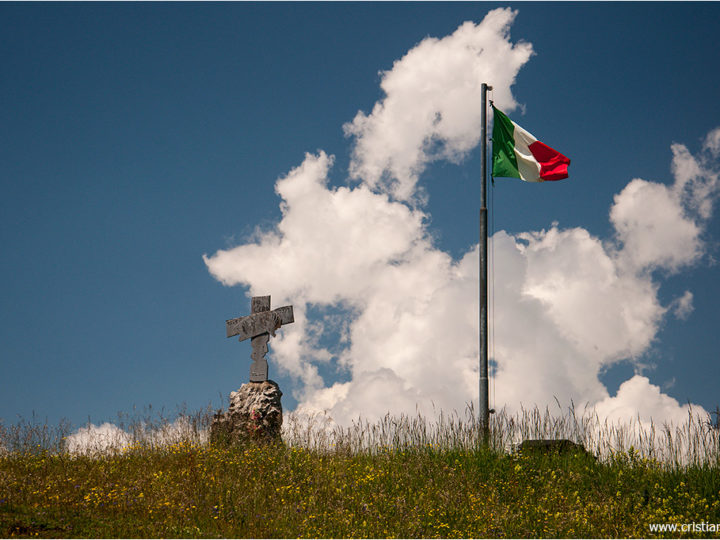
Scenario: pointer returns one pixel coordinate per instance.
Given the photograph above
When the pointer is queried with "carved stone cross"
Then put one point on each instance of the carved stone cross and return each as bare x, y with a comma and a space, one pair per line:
259, 326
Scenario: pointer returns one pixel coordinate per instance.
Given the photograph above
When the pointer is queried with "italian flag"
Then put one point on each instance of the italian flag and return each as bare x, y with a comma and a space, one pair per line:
518, 154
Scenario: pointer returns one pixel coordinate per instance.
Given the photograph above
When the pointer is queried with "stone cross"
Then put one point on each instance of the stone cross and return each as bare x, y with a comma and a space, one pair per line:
259, 326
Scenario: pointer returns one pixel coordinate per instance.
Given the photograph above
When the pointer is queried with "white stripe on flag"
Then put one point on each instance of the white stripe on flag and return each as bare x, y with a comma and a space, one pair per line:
528, 167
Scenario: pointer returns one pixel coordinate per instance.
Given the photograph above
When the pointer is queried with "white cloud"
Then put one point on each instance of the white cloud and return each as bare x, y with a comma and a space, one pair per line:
645, 212
332, 246
712, 143
638, 399
431, 108
567, 304
108, 438
563, 315
597, 303
101, 439
683, 306
696, 177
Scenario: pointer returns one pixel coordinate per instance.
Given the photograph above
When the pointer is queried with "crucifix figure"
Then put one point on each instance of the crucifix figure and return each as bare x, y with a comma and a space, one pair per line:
259, 326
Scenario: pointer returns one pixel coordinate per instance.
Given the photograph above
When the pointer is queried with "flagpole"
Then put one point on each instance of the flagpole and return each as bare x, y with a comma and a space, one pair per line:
484, 402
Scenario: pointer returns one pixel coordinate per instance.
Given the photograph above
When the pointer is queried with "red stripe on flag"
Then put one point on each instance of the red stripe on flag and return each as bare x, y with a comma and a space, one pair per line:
553, 165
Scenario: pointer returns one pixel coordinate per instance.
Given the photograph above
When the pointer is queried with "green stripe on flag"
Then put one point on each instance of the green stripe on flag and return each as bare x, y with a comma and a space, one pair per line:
503, 147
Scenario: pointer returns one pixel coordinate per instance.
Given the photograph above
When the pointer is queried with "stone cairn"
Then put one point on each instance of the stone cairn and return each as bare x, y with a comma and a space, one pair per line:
253, 416
255, 412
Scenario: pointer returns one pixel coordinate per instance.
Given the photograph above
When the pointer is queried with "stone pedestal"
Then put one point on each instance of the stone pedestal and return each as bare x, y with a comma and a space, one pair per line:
254, 415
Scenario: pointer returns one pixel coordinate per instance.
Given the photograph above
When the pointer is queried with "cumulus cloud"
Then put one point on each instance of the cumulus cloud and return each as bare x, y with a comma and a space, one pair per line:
564, 315
567, 304
431, 108
646, 211
331, 247
108, 438
587, 304
101, 439
638, 398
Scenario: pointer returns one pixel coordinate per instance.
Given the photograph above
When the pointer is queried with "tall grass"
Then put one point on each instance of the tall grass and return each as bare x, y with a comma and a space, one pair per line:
33, 435
693, 443
696, 442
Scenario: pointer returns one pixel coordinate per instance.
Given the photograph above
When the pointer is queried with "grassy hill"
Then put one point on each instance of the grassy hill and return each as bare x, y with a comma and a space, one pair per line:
428, 486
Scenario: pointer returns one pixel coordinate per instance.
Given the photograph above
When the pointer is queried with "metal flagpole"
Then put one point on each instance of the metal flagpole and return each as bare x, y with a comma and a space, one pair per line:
484, 406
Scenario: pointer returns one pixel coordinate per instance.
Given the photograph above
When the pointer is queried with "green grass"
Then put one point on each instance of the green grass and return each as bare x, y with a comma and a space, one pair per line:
400, 477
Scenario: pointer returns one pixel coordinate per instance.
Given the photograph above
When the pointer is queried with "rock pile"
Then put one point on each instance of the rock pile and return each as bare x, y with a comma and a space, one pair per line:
253, 416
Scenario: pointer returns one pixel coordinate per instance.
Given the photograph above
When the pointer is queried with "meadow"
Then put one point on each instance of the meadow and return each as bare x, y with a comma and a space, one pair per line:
402, 477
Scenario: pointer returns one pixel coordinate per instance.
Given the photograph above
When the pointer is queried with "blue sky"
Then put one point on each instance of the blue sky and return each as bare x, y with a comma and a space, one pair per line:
138, 138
